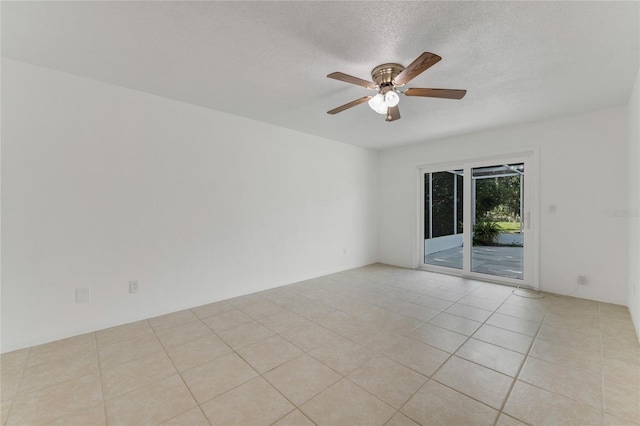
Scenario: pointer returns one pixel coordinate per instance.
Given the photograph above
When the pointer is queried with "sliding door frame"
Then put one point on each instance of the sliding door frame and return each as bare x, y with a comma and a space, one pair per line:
531, 232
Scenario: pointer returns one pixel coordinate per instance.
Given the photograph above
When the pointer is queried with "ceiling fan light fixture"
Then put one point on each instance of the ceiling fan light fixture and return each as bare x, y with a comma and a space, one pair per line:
387, 78
391, 98
377, 103
381, 109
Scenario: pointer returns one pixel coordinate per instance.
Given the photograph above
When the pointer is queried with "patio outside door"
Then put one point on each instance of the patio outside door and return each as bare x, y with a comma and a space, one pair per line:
476, 220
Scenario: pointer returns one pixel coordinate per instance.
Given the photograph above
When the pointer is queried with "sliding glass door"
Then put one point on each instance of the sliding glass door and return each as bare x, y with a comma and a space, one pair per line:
443, 207
476, 220
498, 231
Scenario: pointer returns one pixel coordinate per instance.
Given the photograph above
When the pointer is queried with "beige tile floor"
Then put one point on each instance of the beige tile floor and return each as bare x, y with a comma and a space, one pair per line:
377, 345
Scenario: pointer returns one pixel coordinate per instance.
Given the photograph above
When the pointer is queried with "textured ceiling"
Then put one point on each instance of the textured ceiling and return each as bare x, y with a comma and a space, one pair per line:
268, 61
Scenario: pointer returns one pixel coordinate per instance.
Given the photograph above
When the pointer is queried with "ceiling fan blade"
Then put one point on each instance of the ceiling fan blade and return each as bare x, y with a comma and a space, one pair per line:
349, 105
353, 80
393, 113
436, 93
422, 63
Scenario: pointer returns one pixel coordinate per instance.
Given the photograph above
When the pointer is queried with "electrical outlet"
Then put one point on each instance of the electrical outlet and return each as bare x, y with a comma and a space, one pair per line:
83, 295
134, 286
582, 280
344, 251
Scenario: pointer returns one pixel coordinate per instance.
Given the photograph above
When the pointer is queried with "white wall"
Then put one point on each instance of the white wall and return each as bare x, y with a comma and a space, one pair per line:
583, 171
634, 205
102, 185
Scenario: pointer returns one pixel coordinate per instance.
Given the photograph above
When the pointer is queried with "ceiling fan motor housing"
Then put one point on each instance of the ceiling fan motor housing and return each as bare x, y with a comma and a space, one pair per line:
384, 74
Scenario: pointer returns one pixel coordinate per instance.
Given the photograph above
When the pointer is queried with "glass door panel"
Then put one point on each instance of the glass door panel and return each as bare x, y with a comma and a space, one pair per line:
476, 219
443, 209
498, 223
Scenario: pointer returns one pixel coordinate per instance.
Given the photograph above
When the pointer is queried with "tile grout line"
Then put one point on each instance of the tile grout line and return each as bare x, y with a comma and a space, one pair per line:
178, 371
322, 302
450, 356
104, 402
296, 408
343, 376
234, 351
397, 410
148, 384
514, 379
53, 384
524, 361
329, 303
15, 393
304, 352
569, 367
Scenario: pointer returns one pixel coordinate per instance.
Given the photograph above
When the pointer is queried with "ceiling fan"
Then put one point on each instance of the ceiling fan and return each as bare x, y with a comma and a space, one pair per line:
387, 80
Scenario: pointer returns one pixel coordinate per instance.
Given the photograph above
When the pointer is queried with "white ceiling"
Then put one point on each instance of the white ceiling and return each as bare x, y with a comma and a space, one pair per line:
268, 61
